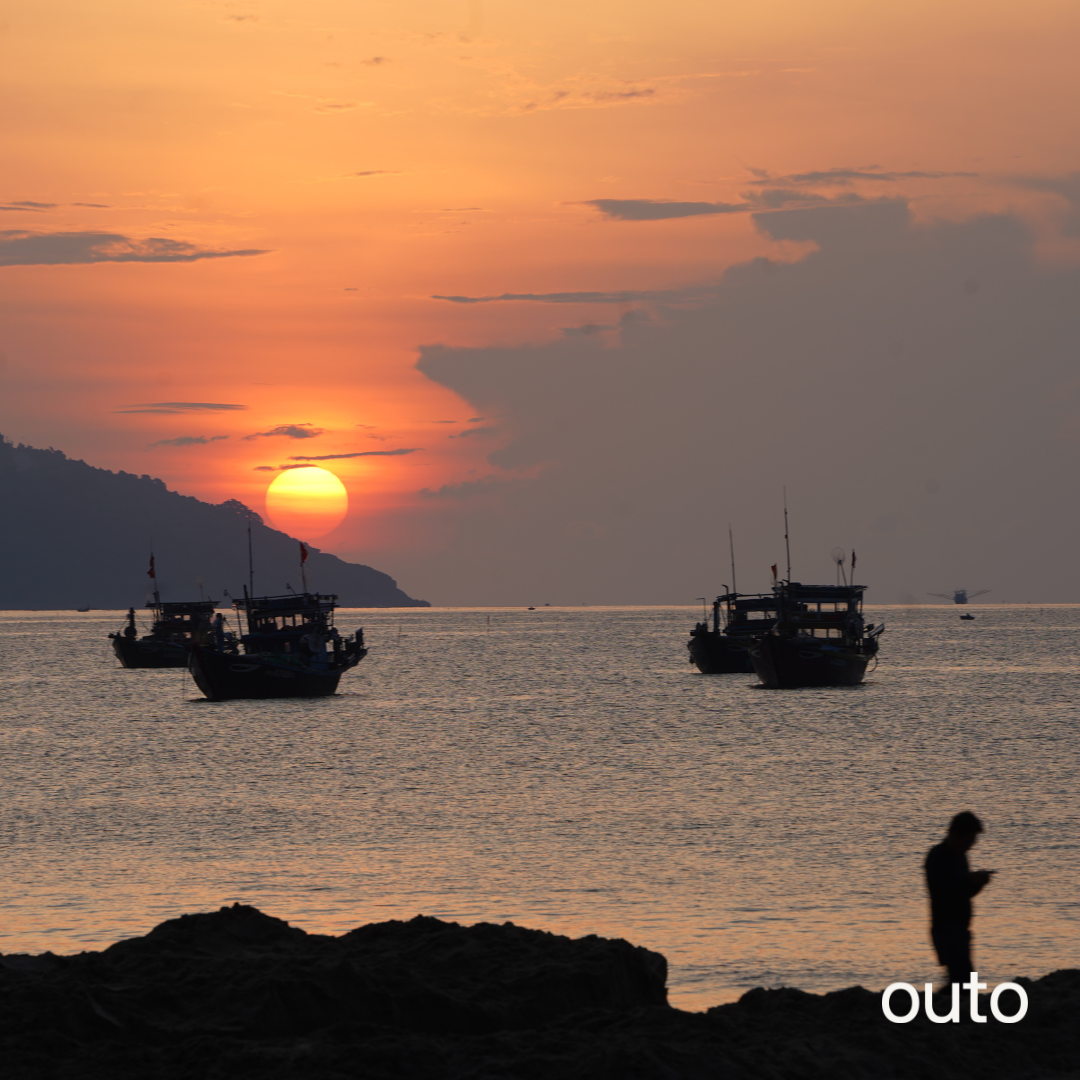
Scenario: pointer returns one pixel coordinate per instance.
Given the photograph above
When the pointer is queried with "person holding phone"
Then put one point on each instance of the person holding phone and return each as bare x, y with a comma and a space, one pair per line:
952, 884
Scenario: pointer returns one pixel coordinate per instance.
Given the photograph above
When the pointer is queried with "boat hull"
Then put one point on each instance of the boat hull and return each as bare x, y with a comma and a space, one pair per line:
223, 676
719, 654
787, 663
147, 653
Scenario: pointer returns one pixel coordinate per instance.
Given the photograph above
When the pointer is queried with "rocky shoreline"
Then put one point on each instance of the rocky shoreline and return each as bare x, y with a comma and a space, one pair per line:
236, 993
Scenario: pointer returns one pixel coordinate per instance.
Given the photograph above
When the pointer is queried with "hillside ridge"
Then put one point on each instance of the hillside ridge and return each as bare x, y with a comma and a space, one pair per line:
75, 535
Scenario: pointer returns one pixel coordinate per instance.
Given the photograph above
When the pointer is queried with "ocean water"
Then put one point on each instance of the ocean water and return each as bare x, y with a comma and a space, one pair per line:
565, 769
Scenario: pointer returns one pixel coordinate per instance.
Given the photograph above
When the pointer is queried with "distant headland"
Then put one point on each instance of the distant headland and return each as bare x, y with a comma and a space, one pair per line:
72, 535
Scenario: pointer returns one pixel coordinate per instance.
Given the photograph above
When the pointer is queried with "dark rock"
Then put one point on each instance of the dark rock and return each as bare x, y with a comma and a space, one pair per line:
236, 993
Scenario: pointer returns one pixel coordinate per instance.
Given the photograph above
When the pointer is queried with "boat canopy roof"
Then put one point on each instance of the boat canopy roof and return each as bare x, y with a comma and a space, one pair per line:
829, 594
756, 603
290, 604
191, 607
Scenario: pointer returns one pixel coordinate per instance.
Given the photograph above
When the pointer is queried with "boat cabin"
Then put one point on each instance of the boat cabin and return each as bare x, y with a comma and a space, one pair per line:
184, 621
751, 614
821, 611
300, 623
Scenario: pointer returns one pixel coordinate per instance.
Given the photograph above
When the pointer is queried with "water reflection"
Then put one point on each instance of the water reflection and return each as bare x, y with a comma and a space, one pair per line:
565, 769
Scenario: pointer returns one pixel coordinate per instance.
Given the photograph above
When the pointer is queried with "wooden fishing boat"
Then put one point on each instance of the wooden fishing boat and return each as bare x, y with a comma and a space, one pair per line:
176, 627
291, 649
737, 620
819, 637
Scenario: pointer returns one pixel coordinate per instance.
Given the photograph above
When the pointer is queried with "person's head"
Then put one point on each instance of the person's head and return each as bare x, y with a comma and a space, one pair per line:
964, 830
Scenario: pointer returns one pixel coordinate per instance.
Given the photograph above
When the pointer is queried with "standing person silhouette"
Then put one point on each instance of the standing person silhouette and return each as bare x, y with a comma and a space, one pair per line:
951, 885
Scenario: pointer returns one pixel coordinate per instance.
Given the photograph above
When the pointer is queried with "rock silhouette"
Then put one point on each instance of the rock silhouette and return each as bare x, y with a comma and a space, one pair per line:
238, 993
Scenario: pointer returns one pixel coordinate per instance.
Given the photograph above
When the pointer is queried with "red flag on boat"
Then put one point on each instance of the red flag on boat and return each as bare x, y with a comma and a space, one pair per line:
774, 571
150, 572
303, 553
853, 565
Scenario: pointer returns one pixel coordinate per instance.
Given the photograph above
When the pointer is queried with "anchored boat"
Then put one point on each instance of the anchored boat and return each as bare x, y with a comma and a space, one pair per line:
819, 637
176, 627
291, 649
724, 649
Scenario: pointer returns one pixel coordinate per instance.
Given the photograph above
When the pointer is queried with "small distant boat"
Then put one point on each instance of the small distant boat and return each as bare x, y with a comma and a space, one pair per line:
724, 650
291, 649
967, 618
82, 609
176, 627
819, 637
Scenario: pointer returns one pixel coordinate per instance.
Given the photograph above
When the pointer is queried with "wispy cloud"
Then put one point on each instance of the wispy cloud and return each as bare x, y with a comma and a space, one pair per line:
473, 431
362, 453
289, 431
621, 297
187, 440
376, 172
181, 406
844, 177
19, 247
661, 209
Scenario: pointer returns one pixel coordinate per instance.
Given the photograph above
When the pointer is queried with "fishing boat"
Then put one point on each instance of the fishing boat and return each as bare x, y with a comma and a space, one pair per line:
176, 627
291, 649
819, 637
724, 649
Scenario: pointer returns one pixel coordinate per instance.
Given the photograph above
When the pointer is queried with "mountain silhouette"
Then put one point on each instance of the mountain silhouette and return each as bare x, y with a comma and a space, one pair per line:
72, 535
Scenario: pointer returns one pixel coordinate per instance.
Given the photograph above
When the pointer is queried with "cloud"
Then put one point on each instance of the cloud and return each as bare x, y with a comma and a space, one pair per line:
856, 374
24, 248
754, 201
843, 177
362, 453
376, 172
659, 209
187, 440
375, 61
589, 99
626, 296
467, 489
1068, 187
587, 329
473, 431
458, 209
182, 406
290, 431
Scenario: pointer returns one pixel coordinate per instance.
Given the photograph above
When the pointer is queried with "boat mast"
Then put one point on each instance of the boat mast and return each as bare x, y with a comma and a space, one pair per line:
251, 562
787, 542
152, 574
731, 548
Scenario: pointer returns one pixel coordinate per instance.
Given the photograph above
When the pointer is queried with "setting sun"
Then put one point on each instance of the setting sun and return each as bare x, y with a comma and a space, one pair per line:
307, 502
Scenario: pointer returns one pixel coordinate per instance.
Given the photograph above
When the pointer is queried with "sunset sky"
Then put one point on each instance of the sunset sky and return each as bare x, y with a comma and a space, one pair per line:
560, 291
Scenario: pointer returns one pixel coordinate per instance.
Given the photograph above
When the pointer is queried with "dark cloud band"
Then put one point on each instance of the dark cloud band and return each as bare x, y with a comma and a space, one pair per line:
18, 247
362, 453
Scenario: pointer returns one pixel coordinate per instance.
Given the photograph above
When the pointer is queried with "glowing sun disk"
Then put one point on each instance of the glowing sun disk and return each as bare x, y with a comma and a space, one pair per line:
307, 502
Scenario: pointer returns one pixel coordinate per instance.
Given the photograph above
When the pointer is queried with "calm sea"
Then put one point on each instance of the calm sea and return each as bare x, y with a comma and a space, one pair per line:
565, 769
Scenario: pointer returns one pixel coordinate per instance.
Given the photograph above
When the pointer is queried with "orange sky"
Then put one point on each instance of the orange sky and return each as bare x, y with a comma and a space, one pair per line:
374, 155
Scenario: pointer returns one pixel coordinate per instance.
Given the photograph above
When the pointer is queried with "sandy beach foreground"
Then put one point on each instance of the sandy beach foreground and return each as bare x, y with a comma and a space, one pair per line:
239, 993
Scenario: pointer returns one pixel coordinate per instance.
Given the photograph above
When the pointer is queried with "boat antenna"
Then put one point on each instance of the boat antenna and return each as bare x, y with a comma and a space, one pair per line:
787, 542
838, 556
251, 561
731, 547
